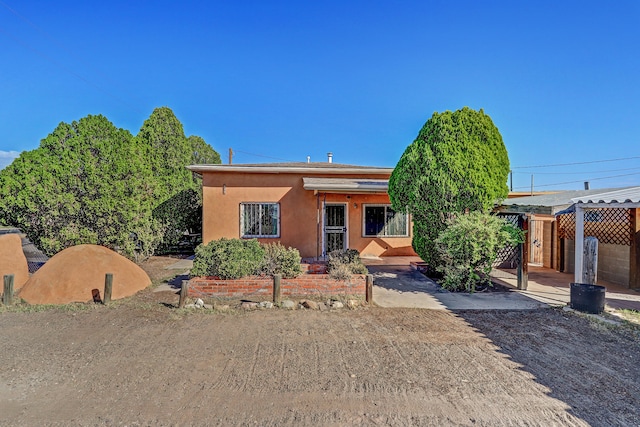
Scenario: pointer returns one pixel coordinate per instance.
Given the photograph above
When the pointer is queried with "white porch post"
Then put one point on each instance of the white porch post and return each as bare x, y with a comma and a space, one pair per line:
579, 249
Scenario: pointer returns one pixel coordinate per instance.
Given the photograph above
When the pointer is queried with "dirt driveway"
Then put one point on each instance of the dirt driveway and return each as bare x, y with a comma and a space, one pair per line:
141, 362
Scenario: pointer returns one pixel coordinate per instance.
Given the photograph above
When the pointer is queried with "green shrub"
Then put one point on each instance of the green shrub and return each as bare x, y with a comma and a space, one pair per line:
340, 272
469, 246
228, 259
341, 264
281, 260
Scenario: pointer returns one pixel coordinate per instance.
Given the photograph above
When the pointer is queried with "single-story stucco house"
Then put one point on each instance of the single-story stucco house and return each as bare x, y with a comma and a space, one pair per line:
316, 207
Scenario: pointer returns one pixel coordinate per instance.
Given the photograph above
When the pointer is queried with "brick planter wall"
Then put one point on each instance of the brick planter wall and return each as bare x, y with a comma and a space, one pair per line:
304, 285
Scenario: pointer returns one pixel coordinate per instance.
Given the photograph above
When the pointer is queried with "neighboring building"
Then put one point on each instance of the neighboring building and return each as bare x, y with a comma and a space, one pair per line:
314, 207
611, 215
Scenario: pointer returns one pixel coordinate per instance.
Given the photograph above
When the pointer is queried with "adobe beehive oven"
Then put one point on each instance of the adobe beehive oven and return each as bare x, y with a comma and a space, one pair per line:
74, 274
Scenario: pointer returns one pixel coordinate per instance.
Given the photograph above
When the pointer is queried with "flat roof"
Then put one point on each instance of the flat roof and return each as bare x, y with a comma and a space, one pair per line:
293, 167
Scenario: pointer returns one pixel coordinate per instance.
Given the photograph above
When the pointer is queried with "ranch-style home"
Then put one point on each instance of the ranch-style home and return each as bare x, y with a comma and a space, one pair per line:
316, 207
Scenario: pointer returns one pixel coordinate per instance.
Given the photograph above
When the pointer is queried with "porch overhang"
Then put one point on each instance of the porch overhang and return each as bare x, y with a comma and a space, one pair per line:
346, 185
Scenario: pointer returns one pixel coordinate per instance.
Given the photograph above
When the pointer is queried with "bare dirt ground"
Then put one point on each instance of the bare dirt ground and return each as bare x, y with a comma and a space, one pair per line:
141, 361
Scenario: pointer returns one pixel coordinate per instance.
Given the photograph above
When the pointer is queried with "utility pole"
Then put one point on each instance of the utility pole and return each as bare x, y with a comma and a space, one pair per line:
230, 155
532, 184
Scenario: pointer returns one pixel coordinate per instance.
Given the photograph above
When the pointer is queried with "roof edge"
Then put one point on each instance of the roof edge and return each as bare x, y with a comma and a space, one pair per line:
290, 169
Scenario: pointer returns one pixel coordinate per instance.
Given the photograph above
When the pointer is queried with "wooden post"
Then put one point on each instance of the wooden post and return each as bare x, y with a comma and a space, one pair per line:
590, 270
277, 278
369, 288
523, 252
7, 296
184, 291
579, 245
108, 287
634, 251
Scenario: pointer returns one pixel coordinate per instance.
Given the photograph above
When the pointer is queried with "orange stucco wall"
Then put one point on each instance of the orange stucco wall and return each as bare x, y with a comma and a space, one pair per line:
223, 192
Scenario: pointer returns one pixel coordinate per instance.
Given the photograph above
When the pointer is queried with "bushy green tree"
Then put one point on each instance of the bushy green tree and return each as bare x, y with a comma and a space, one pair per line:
469, 246
90, 182
457, 163
84, 184
168, 151
202, 153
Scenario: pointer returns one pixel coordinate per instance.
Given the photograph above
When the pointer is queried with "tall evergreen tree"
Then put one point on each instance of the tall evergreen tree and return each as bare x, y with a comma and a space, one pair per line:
457, 163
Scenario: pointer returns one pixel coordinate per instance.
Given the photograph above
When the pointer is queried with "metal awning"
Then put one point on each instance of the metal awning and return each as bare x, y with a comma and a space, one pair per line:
346, 185
629, 195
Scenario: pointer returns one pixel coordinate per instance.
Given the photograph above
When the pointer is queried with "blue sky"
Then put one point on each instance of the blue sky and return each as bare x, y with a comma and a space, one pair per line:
283, 80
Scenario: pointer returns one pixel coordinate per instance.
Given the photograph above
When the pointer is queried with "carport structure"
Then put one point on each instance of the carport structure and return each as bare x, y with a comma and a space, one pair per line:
610, 215
603, 212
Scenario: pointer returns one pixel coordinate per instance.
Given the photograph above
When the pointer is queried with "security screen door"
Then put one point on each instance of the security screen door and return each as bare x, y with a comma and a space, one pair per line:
335, 229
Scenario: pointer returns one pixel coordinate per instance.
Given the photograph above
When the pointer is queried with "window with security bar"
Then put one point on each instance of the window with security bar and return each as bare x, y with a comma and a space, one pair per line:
260, 220
382, 220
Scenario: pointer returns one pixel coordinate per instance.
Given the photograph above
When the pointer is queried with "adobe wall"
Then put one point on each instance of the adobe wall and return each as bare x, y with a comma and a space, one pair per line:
299, 209
613, 262
318, 285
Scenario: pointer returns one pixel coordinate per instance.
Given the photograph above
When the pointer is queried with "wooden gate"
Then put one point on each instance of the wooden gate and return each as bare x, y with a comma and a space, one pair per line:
536, 233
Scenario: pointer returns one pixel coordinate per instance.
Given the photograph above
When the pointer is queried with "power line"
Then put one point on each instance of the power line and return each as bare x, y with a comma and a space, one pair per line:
576, 163
582, 180
576, 173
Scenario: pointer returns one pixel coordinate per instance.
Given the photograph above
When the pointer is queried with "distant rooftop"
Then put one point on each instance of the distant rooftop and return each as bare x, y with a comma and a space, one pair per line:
556, 202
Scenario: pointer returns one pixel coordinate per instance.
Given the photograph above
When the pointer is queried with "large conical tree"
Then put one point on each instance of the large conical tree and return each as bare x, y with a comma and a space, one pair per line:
168, 151
457, 163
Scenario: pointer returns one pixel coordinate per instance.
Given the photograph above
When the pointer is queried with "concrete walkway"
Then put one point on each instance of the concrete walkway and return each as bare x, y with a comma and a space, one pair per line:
396, 284
552, 287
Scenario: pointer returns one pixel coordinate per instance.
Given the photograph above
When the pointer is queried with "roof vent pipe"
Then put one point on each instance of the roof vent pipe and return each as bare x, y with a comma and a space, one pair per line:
586, 185
330, 157
308, 159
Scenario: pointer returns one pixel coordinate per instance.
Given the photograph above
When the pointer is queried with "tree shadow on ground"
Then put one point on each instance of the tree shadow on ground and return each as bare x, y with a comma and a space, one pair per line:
401, 279
176, 282
591, 368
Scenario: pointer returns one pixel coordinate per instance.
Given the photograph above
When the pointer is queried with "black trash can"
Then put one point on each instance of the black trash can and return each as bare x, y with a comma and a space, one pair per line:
587, 298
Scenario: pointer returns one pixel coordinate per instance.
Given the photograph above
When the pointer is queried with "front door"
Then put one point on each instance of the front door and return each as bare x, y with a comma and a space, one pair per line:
335, 228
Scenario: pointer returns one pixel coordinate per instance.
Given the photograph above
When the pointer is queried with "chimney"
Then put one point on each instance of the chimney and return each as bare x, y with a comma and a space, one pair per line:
586, 185
330, 157
308, 159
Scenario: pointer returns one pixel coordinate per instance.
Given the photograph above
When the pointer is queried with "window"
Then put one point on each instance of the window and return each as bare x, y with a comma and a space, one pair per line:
381, 220
259, 219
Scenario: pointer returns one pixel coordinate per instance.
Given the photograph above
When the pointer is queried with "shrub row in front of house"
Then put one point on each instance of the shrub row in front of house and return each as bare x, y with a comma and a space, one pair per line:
237, 258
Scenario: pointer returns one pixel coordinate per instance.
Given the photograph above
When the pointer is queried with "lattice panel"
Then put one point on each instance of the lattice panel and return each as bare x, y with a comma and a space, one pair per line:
608, 225
507, 256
